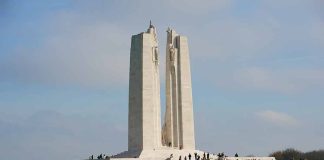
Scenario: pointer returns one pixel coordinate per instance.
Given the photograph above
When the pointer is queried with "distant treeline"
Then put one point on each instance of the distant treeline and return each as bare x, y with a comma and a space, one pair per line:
293, 154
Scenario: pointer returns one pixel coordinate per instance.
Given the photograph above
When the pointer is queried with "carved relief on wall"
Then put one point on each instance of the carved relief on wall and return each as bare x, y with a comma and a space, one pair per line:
155, 55
172, 52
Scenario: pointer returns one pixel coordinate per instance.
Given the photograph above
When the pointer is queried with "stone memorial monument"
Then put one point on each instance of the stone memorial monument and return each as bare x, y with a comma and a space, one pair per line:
178, 128
144, 120
146, 138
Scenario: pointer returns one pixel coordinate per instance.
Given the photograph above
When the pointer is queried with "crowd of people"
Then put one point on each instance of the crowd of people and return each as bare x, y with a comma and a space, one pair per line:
205, 156
100, 156
195, 156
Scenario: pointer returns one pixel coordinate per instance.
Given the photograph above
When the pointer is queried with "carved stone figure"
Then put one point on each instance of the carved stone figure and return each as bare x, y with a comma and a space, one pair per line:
172, 52
156, 55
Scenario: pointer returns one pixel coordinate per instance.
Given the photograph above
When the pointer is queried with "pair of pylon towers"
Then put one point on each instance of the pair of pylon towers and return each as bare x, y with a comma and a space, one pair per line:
144, 118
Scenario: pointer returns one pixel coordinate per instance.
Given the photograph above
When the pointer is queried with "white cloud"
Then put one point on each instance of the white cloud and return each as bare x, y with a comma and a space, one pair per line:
286, 81
262, 79
75, 52
233, 40
54, 135
197, 6
278, 118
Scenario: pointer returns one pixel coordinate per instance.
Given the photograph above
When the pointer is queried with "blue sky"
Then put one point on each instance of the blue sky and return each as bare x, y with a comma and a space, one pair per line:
257, 73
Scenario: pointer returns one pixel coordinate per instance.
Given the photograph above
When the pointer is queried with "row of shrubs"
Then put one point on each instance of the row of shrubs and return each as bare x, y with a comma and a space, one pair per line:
293, 154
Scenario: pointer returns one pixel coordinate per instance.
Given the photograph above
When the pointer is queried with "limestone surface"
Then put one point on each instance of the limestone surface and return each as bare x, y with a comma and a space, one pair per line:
144, 122
178, 129
146, 139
